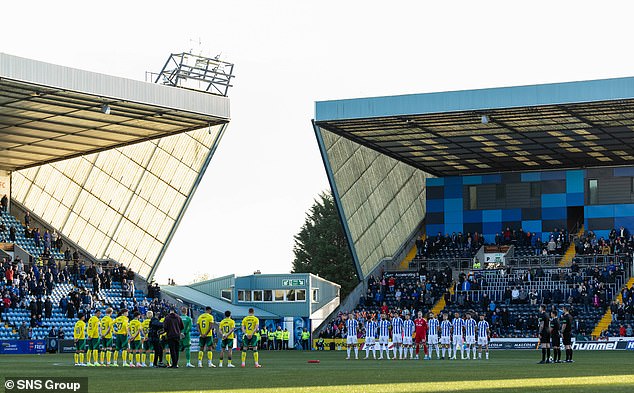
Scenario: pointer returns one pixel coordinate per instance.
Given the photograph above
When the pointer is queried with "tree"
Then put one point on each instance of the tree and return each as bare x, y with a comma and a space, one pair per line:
321, 247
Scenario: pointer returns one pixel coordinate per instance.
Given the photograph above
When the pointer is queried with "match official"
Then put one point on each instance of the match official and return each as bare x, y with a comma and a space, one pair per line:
173, 326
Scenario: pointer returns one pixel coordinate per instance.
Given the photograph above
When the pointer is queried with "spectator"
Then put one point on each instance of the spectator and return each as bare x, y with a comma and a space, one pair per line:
24, 332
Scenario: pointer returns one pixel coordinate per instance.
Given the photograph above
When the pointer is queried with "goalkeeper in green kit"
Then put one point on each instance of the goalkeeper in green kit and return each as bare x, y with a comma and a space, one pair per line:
186, 335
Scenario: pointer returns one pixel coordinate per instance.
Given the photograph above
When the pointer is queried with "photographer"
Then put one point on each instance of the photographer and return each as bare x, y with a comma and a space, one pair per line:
156, 328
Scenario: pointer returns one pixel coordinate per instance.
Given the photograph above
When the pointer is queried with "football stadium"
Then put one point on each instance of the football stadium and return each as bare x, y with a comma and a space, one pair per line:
490, 231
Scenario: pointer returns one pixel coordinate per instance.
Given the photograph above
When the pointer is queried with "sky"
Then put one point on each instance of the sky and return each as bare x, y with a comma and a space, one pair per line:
289, 54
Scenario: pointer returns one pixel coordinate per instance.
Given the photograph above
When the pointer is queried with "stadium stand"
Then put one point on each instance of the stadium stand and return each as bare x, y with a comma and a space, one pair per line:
510, 296
40, 245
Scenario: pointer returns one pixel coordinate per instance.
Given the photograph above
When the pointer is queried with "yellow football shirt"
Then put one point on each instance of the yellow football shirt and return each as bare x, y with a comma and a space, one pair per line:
107, 324
121, 325
93, 327
226, 326
79, 333
205, 322
250, 324
135, 329
146, 327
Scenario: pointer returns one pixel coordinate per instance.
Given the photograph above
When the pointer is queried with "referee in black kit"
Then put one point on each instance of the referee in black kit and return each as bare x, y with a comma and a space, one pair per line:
173, 325
566, 333
544, 334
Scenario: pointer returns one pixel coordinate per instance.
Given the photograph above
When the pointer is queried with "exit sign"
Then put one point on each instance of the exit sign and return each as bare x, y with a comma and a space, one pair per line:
294, 283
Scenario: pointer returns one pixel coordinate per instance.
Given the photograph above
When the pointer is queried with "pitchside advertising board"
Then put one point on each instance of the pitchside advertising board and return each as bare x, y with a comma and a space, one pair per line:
626, 343
22, 347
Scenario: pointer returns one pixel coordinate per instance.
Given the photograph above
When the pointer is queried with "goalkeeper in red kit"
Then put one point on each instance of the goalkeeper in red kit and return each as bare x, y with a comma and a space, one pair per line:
420, 336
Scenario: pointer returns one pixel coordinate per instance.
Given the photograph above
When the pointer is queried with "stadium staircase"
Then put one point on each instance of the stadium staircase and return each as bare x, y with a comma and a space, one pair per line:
571, 252
442, 303
606, 320
404, 265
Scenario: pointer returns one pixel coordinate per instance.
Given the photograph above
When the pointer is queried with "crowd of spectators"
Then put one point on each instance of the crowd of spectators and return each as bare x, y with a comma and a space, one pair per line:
29, 286
468, 244
619, 241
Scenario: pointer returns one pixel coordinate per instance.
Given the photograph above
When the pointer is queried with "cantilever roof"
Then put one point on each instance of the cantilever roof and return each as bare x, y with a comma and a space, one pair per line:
551, 126
50, 112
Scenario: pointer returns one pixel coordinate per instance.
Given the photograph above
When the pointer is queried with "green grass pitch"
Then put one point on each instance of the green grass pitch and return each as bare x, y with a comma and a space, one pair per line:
289, 372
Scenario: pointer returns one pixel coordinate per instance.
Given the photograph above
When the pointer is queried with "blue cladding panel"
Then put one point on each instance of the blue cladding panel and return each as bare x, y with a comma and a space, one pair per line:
491, 179
512, 215
574, 199
435, 181
433, 229
453, 204
473, 216
553, 200
599, 211
603, 233
472, 180
492, 228
531, 176
453, 181
553, 213
532, 225
625, 222
435, 205
626, 210
575, 182
492, 216
453, 191
554, 175
453, 227
453, 217
629, 171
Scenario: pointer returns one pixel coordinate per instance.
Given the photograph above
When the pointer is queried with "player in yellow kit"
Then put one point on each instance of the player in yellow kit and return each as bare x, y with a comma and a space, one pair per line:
205, 324
107, 327
135, 329
121, 337
93, 339
250, 325
79, 336
148, 347
227, 326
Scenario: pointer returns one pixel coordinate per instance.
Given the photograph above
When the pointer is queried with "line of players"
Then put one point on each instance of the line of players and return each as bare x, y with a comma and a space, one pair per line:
108, 337
444, 336
552, 332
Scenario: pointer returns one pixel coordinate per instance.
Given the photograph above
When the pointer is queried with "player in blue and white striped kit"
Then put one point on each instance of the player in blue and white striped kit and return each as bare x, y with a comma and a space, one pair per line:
352, 325
397, 335
483, 337
470, 335
408, 335
432, 335
445, 335
370, 335
458, 330
384, 336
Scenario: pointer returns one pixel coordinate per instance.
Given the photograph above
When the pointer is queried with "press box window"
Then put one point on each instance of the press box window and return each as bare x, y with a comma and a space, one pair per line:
226, 294
268, 295
315, 295
290, 295
473, 198
300, 295
279, 295
593, 191
240, 296
257, 296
